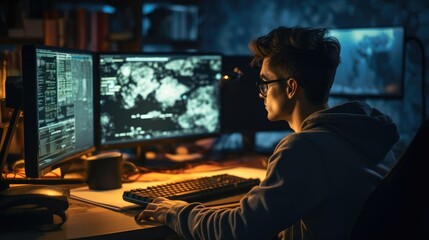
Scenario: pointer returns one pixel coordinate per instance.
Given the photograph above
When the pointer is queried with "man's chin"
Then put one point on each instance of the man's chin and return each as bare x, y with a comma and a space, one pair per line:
272, 118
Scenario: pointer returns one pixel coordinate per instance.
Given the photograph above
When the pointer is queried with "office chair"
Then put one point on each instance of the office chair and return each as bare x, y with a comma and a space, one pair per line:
398, 208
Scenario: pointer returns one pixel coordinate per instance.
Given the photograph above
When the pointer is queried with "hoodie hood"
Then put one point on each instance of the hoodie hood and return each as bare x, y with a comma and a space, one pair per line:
365, 127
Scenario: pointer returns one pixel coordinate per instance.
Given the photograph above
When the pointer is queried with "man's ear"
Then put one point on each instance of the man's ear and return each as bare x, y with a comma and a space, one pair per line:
291, 88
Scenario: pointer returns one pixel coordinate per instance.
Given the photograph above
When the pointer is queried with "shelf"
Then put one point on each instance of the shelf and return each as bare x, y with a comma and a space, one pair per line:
21, 40
169, 41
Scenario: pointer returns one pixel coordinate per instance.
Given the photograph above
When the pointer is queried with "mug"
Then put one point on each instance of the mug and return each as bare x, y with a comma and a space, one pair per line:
104, 170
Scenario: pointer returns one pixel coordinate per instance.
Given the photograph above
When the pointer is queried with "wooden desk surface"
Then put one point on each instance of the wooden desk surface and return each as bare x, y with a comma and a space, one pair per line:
92, 222
89, 221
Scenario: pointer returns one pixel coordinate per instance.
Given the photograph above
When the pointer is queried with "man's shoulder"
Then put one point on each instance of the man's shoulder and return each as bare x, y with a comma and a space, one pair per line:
306, 140
298, 139
306, 136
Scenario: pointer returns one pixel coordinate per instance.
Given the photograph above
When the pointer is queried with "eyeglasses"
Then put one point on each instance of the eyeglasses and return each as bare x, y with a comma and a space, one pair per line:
263, 85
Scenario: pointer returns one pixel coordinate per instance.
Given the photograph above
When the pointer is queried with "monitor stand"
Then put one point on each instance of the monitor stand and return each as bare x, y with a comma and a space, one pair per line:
164, 159
248, 138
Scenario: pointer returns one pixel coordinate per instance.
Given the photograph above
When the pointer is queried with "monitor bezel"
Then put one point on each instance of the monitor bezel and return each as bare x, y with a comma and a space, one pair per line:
31, 134
397, 95
153, 141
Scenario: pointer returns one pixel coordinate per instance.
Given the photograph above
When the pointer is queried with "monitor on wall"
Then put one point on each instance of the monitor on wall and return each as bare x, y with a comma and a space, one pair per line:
58, 106
372, 62
156, 98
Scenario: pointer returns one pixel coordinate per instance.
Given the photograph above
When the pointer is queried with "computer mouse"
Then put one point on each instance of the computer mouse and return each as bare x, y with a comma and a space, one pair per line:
51, 197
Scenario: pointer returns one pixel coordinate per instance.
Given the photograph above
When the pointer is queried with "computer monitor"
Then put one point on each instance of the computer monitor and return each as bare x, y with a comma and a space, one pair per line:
372, 62
157, 98
58, 106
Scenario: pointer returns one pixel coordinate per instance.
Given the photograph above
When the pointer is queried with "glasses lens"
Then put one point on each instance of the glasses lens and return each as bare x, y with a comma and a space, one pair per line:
262, 88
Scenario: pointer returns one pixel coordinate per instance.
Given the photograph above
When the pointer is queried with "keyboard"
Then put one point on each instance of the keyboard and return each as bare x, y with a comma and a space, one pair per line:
193, 190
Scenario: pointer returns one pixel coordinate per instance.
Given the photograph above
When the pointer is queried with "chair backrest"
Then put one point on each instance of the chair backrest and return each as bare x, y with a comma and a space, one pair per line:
398, 208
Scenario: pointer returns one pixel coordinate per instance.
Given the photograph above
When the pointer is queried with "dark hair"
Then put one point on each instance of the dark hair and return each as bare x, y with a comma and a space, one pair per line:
310, 55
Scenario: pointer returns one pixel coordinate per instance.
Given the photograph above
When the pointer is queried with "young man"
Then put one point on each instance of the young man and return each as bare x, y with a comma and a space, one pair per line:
318, 177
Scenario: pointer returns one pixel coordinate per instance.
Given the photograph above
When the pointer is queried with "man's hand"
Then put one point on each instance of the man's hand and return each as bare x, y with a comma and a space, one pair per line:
158, 208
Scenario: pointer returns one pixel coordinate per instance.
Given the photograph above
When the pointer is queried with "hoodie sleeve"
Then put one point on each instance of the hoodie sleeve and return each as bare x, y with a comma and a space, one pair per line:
294, 185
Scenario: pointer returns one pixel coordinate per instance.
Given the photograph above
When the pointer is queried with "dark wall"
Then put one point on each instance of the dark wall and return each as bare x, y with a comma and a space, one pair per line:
228, 26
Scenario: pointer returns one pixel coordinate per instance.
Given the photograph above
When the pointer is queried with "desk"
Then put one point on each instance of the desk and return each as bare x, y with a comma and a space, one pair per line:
92, 222
89, 221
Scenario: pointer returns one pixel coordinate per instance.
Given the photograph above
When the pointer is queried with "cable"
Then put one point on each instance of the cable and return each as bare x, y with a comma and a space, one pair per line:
423, 73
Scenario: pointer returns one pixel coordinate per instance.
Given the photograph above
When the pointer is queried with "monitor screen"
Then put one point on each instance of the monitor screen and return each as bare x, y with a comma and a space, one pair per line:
58, 106
372, 62
157, 97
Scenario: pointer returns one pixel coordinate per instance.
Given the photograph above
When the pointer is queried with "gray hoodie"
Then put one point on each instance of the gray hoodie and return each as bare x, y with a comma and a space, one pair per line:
316, 181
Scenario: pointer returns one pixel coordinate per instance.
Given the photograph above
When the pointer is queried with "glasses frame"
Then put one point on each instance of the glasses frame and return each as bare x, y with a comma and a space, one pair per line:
263, 85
